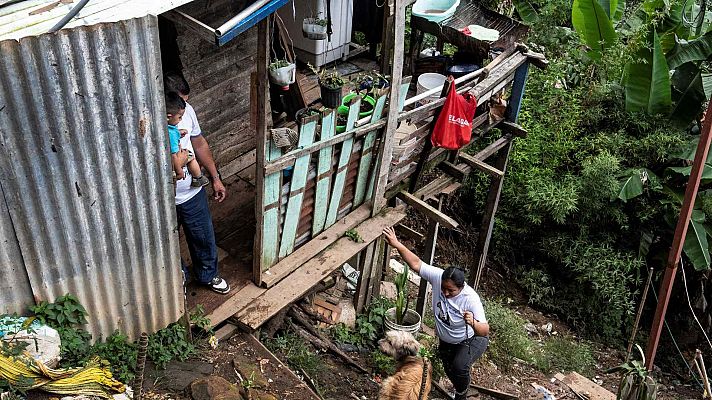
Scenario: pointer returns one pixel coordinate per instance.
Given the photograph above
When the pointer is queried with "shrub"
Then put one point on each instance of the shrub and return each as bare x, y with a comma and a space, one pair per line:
565, 354
120, 353
508, 339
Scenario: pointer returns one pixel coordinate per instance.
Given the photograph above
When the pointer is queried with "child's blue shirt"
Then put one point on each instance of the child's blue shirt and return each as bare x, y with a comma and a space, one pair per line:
174, 138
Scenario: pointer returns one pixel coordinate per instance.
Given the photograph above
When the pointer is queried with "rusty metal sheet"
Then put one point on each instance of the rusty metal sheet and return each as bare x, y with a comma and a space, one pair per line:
86, 172
15, 291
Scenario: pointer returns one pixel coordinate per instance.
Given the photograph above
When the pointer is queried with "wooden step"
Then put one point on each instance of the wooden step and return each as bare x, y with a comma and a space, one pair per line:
291, 289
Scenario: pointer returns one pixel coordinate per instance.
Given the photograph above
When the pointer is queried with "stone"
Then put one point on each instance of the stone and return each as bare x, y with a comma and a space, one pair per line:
177, 376
254, 394
250, 372
214, 388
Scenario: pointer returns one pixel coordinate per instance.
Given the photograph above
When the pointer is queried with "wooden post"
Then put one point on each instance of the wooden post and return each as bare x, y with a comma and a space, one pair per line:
386, 38
483, 241
258, 111
383, 166
361, 295
429, 254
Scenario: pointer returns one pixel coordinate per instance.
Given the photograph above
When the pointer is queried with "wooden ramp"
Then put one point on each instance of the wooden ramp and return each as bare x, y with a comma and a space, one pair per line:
253, 306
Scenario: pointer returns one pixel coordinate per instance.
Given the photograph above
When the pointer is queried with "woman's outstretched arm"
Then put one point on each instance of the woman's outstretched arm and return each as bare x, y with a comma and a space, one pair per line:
409, 257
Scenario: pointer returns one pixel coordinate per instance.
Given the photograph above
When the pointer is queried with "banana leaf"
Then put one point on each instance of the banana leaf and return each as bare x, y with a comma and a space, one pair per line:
648, 81
526, 11
591, 22
689, 93
696, 247
693, 50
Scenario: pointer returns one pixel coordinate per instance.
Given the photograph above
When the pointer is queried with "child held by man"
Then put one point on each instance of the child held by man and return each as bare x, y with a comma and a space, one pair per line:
175, 108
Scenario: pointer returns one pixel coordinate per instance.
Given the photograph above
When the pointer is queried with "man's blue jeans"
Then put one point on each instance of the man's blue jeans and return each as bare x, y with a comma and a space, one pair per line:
197, 223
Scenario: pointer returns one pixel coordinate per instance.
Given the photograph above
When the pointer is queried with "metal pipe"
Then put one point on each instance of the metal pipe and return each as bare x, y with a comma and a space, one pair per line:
71, 14
693, 185
241, 16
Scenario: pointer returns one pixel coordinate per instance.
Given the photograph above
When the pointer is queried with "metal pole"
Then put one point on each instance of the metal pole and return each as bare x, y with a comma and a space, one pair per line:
693, 184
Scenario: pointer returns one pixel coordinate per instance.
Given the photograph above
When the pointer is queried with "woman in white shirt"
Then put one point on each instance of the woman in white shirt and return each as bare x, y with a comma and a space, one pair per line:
460, 321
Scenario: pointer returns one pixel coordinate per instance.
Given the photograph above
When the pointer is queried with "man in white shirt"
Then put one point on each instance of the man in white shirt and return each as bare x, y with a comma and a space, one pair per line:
191, 202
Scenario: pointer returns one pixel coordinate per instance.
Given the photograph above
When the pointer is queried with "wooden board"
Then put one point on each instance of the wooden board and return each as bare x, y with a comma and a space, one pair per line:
583, 386
429, 211
303, 254
313, 271
367, 154
342, 170
321, 202
296, 191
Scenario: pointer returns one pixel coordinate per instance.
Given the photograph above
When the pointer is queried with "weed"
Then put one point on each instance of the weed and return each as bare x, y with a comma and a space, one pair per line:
383, 364
296, 352
66, 311
198, 319
565, 354
353, 235
120, 353
509, 340
14, 324
249, 383
169, 344
76, 346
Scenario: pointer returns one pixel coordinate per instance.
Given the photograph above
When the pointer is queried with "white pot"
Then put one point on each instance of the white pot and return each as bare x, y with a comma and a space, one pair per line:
283, 76
411, 321
312, 30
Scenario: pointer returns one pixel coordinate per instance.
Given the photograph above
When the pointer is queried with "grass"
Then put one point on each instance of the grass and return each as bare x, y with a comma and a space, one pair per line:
509, 341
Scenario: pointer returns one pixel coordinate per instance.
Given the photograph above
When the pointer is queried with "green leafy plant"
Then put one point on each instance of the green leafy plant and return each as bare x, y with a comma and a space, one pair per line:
330, 78
200, 320
383, 364
9, 345
401, 281
508, 340
65, 311
353, 235
169, 344
565, 354
120, 353
277, 64
75, 348
636, 383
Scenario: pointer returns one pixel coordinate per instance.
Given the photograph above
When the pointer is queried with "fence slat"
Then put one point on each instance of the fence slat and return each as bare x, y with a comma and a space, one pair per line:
296, 191
403, 93
367, 154
342, 168
270, 229
321, 201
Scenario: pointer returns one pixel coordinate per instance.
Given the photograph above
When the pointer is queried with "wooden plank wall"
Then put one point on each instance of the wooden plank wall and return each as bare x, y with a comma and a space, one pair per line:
220, 87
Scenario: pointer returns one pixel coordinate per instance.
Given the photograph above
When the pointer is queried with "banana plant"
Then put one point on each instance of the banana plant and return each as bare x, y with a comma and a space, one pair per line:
636, 383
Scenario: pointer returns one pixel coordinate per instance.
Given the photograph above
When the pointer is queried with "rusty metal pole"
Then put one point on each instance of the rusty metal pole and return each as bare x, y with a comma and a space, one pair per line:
693, 184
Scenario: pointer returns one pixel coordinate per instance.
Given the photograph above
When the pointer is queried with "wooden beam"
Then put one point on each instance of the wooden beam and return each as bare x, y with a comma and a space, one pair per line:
494, 147
453, 170
313, 271
364, 280
481, 165
202, 30
513, 128
289, 158
429, 211
409, 233
258, 109
495, 393
430, 245
394, 107
303, 254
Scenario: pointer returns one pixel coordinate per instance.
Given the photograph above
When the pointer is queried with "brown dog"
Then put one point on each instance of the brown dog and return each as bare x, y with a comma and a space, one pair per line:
407, 382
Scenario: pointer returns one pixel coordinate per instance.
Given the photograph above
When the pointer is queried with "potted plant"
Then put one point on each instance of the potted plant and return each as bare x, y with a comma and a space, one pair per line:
314, 28
636, 383
400, 317
331, 84
282, 73
367, 104
372, 84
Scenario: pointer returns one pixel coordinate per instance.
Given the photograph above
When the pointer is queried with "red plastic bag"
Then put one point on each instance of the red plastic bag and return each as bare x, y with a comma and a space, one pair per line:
453, 129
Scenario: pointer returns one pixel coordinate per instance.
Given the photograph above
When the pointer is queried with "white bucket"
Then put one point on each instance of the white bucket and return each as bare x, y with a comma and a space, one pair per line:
428, 81
411, 321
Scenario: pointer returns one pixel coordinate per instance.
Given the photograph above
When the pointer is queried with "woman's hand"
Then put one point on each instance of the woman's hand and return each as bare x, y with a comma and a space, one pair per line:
480, 328
469, 318
390, 235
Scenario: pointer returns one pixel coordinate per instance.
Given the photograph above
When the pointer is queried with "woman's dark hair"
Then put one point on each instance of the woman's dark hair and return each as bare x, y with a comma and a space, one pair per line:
174, 103
175, 82
456, 275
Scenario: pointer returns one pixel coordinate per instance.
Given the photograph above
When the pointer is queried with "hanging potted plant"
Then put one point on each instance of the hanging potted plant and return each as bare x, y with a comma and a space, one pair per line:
314, 28
282, 73
331, 84
400, 317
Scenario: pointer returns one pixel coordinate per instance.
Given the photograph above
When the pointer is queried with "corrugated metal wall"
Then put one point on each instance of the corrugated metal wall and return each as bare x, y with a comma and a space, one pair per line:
86, 172
15, 291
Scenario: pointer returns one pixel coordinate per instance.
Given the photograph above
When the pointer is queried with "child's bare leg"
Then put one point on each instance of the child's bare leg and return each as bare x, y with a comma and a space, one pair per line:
194, 168
177, 168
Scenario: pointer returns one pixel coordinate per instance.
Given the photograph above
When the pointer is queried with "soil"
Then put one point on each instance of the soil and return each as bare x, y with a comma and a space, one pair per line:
366, 107
341, 120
